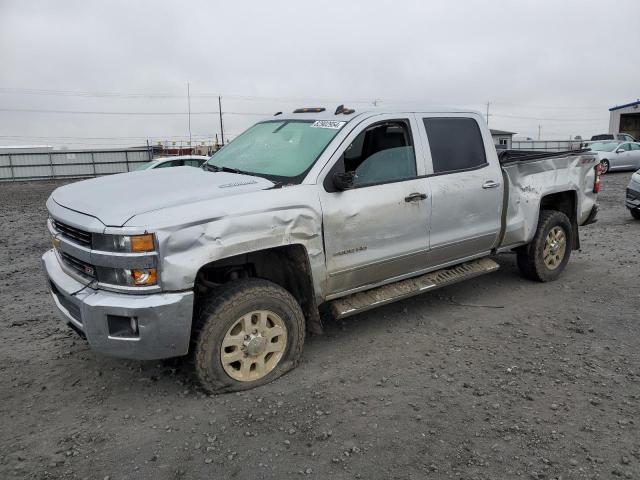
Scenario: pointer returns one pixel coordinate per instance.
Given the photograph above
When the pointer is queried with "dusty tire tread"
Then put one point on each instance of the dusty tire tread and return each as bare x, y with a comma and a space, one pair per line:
227, 297
528, 259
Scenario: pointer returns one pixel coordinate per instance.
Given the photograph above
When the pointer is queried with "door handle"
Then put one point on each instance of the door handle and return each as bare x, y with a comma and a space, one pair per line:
490, 184
415, 197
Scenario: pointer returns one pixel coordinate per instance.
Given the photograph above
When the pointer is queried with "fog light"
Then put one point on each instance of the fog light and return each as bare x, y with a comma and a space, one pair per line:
144, 277
122, 327
134, 325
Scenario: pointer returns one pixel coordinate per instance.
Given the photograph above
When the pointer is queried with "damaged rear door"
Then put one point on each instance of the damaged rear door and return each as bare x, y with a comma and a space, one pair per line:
378, 229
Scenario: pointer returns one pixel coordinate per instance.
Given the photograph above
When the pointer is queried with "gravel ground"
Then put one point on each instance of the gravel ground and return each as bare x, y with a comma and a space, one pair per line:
497, 377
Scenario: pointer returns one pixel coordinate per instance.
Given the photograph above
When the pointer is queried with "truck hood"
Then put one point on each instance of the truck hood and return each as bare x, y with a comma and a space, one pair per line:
115, 199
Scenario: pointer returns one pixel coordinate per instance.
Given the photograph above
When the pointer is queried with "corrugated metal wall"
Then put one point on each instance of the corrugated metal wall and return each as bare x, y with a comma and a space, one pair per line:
56, 164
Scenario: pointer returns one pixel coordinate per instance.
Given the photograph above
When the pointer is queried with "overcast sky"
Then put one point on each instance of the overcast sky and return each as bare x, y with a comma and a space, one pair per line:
558, 64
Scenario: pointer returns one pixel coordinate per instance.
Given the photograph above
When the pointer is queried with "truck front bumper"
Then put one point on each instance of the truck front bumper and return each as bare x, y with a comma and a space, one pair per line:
159, 323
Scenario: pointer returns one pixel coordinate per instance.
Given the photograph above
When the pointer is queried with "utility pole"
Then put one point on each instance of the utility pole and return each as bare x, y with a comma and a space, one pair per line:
539, 129
220, 112
488, 103
189, 108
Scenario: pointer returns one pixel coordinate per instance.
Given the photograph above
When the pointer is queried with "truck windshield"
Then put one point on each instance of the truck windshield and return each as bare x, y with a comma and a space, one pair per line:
603, 146
286, 148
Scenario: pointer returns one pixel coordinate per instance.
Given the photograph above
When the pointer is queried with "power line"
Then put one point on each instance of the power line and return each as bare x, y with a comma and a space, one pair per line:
189, 107
87, 112
98, 94
550, 119
169, 136
217, 112
563, 107
28, 91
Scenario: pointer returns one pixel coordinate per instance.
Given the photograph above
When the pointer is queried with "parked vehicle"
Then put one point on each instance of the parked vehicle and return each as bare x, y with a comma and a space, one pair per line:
622, 137
351, 210
616, 155
632, 201
181, 161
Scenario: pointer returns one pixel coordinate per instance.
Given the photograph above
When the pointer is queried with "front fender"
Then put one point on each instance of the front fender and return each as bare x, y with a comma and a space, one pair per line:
235, 226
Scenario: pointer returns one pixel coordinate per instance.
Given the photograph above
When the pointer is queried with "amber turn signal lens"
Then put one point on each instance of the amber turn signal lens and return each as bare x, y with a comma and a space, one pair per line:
145, 277
142, 243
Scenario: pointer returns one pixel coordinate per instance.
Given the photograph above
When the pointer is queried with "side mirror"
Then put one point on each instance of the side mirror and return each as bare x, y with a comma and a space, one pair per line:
620, 150
344, 180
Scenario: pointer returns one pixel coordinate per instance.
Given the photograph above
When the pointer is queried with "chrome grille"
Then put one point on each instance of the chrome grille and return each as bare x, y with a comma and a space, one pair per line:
83, 268
72, 233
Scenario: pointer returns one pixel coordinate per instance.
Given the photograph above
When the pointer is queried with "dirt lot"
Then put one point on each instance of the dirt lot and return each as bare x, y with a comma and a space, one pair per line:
494, 378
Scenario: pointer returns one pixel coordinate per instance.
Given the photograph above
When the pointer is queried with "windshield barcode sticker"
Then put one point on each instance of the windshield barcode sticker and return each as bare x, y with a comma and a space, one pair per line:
328, 124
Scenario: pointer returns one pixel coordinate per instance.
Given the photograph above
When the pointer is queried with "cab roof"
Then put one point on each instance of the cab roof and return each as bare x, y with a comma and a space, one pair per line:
367, 111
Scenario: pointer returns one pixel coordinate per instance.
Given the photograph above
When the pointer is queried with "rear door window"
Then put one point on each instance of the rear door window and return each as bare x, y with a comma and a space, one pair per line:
456, 144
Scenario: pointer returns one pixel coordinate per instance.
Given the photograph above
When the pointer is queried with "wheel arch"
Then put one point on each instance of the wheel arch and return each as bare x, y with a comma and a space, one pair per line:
567, 203
288, 266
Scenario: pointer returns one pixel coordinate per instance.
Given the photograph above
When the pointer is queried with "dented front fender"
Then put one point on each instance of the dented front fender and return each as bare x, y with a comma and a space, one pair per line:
194, 235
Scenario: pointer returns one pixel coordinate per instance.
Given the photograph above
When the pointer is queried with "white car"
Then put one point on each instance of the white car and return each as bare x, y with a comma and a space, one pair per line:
633, 195
617, 155
181, 161
621, 137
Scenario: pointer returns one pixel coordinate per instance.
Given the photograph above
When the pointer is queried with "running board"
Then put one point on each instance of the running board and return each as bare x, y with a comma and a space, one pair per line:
359, 302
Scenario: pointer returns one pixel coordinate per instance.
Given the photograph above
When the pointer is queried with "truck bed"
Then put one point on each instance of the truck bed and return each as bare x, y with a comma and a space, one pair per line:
530, 176
507, 157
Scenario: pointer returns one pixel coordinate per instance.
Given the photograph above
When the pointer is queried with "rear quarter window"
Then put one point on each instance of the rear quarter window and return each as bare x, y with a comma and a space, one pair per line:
455, 143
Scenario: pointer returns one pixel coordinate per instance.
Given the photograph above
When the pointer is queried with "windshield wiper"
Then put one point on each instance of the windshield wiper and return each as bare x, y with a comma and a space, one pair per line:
210, 168
215, 168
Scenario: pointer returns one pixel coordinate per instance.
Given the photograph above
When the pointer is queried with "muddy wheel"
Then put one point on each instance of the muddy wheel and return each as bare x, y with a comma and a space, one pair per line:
250, 333
604, 167
635, 213
547, 255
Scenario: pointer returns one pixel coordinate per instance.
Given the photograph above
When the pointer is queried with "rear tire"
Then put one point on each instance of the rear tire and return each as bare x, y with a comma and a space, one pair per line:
635, 214
546, 257
604, 167
248, 334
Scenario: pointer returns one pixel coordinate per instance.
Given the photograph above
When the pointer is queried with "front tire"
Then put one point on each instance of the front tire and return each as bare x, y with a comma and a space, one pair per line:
546, 257
250, 333
635, 214
604, 167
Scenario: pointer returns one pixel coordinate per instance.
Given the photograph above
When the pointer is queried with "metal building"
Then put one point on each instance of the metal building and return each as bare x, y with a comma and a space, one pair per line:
502, 139
625, 119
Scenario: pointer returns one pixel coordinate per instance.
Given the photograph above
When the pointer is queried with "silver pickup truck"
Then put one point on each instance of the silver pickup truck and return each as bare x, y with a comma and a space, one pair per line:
303, 213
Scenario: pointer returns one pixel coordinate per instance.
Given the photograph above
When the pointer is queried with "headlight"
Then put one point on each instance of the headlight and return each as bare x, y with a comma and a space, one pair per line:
124, 243
144, 277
